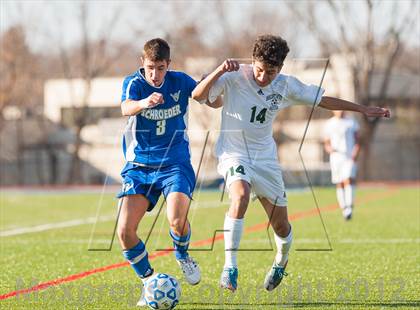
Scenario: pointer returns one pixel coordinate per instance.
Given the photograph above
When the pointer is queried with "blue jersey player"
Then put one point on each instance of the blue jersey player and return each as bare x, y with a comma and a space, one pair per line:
157, 156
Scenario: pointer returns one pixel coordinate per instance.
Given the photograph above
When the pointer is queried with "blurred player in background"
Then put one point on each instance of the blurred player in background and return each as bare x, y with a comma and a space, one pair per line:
341, 142
156, 150
247, 153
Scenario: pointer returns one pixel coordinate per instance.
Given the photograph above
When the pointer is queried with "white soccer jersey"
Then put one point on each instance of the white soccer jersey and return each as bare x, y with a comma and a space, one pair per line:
249, 111
341, 133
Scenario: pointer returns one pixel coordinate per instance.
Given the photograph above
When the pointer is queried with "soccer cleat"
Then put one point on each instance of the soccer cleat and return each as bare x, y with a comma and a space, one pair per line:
274, 276
190, 270
142, 300
347, 213
229, 278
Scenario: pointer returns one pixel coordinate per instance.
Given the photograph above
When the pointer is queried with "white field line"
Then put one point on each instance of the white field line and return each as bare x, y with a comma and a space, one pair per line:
343, 241
381, 240
91, 220
49, 226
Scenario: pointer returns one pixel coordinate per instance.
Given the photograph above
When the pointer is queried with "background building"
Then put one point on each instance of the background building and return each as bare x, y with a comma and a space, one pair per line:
44, 156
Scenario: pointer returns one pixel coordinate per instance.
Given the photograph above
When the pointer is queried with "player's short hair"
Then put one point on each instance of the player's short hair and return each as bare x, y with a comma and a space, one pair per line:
270, 49
157, 50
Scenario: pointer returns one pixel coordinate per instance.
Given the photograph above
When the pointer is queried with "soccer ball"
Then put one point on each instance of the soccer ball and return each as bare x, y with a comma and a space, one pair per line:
162, 291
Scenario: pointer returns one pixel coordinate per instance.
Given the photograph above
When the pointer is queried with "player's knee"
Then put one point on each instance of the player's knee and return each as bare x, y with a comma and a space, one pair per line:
238, 206
240, 201
125, 233
281, 227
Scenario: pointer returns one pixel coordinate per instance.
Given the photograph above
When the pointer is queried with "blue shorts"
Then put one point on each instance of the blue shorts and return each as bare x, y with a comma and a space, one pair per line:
151, 182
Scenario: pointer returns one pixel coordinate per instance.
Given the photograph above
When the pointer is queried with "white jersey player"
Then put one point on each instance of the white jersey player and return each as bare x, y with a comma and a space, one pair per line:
341, 136
246, 150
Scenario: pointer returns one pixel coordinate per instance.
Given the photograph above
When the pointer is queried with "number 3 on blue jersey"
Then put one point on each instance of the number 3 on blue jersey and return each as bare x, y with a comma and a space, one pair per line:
160, 127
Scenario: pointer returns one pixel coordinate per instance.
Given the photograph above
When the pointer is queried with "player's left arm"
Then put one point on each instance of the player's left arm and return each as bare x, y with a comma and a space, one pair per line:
332, 103
215, 104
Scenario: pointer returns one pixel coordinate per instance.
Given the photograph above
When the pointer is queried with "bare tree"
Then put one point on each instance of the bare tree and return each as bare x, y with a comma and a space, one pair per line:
19, 72
89, 60
370, 47
258, 19
19, 88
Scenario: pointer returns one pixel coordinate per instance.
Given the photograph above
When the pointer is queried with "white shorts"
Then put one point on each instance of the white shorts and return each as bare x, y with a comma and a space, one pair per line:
265, 178
342, 168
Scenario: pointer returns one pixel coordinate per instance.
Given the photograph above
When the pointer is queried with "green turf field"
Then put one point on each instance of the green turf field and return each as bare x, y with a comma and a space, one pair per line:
374, 262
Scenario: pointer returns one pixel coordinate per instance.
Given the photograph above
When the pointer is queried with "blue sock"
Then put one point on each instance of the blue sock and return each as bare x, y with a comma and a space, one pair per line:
139, 260
181, 244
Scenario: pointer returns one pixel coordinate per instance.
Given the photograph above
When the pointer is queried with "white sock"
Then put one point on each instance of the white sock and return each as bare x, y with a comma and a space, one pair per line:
233, 233
341, 198
349, 195
283, 247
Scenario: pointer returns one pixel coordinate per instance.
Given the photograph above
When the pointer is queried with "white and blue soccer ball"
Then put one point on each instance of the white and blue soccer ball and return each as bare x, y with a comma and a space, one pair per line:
162, 291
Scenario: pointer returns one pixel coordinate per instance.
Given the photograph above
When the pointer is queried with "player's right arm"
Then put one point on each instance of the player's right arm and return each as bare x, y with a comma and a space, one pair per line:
201, 92
131, 107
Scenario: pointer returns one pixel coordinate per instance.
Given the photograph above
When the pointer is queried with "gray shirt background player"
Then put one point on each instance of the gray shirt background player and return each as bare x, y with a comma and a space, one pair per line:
341, 142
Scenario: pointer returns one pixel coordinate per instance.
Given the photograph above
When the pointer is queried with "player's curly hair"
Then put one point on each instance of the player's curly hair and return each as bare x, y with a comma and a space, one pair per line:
157, 50
270, 49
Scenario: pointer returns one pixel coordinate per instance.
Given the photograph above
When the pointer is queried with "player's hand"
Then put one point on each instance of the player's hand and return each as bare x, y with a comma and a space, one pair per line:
153, 100
377, 112
229, 65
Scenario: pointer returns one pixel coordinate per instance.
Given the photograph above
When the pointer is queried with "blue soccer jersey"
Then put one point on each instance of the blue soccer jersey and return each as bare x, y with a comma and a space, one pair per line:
157, 136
